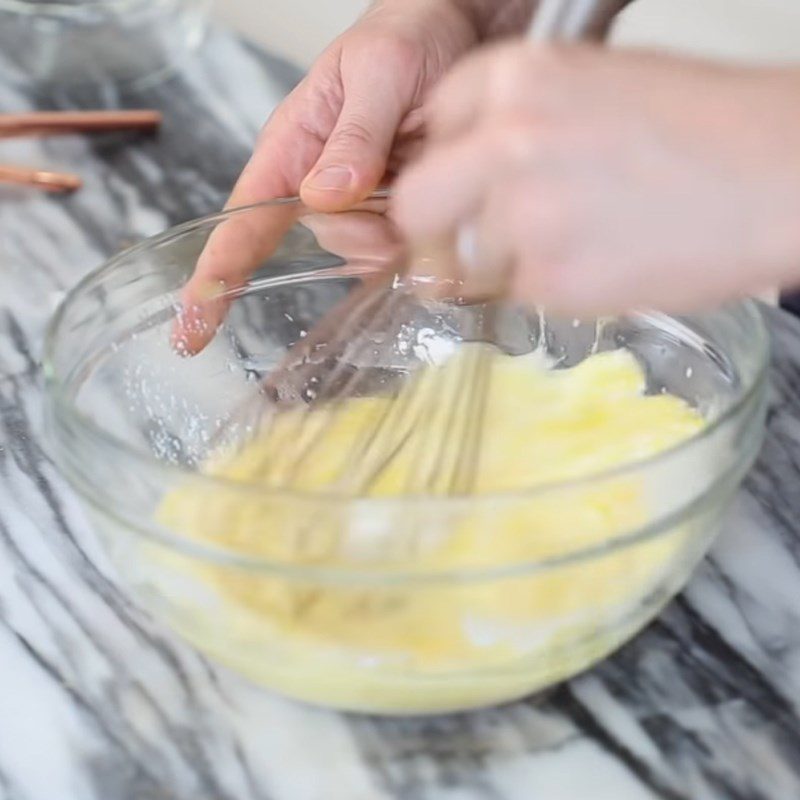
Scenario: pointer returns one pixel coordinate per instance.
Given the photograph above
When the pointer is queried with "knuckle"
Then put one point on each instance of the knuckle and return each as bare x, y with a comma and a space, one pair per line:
394, 49
506, 78
353, 131
543, 146
546, 61
399, 50
517, 144
522, 75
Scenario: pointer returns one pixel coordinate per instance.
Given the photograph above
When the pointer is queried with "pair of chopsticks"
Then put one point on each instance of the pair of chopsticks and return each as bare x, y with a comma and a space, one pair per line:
59, 123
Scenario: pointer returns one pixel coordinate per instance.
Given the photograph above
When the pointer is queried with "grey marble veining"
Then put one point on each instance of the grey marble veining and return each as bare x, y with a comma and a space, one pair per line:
98, 702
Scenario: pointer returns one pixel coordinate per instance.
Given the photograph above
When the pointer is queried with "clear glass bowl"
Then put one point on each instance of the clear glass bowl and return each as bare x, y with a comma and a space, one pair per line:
303, 612
91, 42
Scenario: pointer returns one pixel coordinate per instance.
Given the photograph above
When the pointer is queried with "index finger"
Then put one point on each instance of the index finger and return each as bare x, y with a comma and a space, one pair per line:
239, 244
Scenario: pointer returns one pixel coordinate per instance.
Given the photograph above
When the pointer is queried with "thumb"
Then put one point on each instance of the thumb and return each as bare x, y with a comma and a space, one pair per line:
354, 158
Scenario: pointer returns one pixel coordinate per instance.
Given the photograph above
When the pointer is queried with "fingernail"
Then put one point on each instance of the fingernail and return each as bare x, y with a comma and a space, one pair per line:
331, 178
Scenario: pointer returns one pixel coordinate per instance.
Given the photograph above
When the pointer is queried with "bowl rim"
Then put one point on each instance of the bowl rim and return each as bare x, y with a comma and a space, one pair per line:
413, 577
55, 385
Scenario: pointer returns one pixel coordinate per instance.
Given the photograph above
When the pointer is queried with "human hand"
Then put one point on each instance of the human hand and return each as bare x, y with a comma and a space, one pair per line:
353, 119
600, 181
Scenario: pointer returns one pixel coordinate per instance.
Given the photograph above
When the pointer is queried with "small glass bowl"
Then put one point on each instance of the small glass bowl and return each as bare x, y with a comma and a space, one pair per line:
129, 43
290, 603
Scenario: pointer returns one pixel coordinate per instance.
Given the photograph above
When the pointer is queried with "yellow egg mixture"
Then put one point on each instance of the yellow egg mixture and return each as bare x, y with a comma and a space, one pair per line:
476, 627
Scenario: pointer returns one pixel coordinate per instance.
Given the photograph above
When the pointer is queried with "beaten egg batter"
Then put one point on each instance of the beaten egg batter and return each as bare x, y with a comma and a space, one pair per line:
425, 605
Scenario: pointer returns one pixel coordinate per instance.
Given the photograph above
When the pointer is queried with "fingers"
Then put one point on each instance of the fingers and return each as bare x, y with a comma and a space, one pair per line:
449, 183
443, 187
516, 78
236, 248
239, 245
479, 187
463, 95
329, 142
577, 175
288, 145
361, 238
330, 148
357, 151
451, 203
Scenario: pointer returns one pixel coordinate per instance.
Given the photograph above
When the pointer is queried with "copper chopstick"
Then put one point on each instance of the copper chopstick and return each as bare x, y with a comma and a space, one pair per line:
40, 179
53, 123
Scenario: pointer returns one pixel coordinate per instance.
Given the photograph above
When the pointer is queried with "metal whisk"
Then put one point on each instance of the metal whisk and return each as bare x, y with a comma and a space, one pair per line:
434, 422
426, 406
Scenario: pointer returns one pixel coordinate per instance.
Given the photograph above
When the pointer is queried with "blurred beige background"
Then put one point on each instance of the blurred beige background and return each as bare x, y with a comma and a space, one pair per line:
752, 29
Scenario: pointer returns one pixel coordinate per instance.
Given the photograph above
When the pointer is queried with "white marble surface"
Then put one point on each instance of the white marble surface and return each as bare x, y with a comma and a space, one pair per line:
99, 702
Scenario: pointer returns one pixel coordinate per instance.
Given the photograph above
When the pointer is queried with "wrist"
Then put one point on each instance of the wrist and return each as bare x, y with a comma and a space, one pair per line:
485, 19
426, 20
493, 19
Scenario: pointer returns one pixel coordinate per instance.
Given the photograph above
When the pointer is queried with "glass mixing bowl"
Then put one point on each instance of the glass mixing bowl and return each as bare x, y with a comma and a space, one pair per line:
340, 599
91, 42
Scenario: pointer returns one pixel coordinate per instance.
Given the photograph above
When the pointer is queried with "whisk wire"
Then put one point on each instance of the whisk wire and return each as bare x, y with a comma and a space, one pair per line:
429, 431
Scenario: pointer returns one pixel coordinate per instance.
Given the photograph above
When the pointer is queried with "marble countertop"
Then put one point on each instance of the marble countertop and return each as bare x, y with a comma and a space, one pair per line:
98, 702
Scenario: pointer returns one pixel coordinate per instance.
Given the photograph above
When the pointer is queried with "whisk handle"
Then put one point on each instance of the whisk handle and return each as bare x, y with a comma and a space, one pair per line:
573, 20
